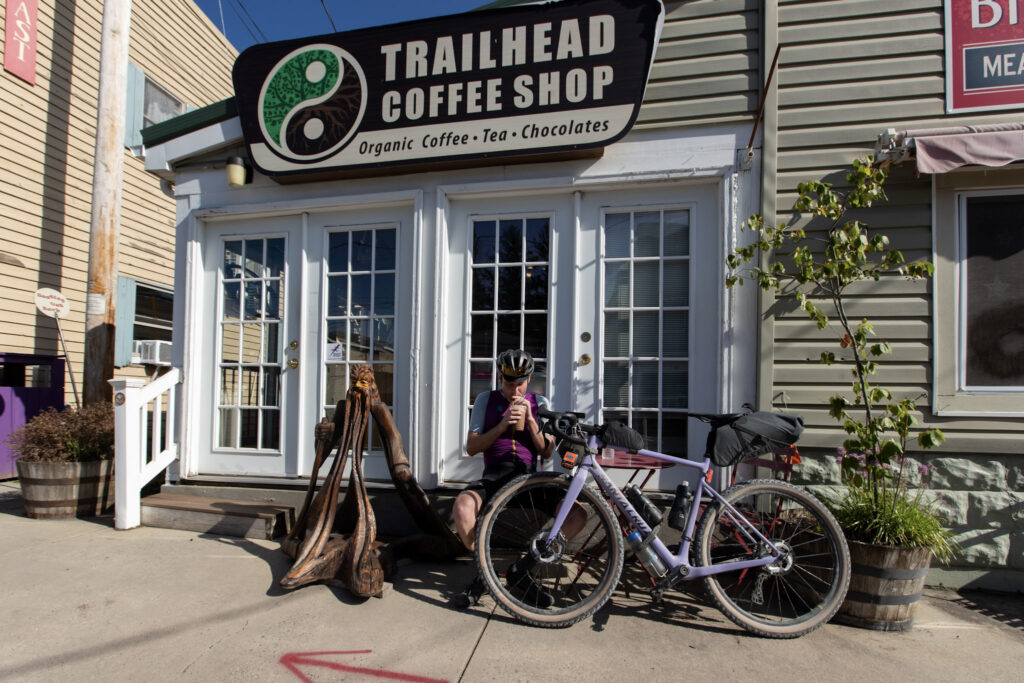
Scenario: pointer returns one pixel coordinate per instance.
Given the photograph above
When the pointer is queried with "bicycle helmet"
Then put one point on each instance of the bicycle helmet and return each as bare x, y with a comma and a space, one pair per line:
515, 365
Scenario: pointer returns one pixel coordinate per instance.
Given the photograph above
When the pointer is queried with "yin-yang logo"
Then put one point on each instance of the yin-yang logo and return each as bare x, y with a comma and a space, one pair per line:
312, 102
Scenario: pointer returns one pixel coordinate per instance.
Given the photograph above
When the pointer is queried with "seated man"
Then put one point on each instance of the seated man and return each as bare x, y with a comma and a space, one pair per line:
505, 426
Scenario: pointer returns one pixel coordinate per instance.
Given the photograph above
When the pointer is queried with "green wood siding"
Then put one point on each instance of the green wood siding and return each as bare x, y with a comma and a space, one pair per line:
706, 69
848, 71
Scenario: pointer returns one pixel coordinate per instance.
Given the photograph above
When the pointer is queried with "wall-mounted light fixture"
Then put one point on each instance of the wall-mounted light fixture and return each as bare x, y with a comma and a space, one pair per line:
239, 172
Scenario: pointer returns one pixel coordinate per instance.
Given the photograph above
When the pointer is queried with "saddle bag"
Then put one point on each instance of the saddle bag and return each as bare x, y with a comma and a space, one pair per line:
753, 435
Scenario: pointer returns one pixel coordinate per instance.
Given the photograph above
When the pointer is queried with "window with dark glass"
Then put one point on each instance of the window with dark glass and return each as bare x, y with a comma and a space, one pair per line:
992, 288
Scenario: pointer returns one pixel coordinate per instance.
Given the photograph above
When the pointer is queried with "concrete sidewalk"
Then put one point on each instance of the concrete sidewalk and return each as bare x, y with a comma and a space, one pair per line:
83, 602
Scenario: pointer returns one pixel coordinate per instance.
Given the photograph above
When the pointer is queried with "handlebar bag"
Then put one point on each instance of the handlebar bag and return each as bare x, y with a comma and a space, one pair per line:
753, 435
620, 436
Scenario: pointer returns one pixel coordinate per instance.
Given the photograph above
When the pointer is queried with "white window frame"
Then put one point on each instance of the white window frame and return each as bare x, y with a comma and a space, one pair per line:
951, 396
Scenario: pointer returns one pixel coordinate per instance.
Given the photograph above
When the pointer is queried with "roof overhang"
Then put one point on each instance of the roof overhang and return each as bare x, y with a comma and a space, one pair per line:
940, 150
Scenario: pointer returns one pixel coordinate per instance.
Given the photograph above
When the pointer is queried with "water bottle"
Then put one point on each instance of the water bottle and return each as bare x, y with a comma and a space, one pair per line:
680, 506
648, 510
648, 557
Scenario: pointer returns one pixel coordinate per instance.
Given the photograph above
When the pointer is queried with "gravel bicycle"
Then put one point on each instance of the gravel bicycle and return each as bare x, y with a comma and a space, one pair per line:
550, 548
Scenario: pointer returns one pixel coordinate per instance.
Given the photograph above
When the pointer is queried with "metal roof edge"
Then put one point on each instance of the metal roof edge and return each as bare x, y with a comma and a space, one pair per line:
184, 124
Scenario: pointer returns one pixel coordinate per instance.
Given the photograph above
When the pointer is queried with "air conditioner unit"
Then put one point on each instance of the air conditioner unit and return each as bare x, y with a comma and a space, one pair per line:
152, 352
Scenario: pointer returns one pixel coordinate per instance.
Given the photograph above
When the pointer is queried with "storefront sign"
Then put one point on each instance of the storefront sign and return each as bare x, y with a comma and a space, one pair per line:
984, 54
20, 39
532, 79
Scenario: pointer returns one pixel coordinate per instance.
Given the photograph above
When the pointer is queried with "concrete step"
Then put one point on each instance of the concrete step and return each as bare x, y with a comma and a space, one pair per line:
217, 515
392, 517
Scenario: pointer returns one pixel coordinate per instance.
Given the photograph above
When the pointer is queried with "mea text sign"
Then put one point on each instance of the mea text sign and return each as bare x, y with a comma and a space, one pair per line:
530, 79
984, 54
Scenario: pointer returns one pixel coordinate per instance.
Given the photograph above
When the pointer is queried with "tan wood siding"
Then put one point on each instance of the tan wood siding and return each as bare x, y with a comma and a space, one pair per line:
46, 161
848, 71
706, 68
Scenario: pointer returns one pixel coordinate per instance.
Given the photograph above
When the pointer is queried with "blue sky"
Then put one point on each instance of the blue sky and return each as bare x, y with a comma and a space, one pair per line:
247, 22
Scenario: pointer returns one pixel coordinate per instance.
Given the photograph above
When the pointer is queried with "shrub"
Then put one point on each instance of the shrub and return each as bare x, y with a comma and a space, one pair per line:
70, 435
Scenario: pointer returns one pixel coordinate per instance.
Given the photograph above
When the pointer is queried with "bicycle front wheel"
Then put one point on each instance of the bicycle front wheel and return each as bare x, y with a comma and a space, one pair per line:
798, 592
548, 585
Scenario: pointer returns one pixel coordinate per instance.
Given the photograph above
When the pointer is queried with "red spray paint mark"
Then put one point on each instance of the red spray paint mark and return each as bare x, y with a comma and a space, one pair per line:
292, 660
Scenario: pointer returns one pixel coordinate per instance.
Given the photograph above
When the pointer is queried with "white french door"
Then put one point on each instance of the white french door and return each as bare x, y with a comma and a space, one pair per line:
250, 391
631, 328
296, 301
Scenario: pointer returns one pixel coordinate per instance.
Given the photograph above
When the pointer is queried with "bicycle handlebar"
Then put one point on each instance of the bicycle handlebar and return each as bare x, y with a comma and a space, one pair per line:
573, 421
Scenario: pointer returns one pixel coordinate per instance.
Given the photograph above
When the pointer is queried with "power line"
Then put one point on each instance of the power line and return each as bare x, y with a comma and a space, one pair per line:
235, 6
329, 17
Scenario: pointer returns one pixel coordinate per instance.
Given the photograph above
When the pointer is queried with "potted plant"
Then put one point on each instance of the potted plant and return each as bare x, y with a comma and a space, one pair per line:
65, 461
893, 530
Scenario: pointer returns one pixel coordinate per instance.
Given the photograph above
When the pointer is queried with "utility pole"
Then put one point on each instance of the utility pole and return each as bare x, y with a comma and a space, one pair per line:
105, 223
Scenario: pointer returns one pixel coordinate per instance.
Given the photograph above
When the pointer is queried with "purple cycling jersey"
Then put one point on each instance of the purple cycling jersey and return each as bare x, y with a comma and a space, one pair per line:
511, 444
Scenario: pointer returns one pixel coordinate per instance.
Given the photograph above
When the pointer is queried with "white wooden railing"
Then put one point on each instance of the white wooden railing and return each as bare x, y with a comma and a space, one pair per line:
145, 440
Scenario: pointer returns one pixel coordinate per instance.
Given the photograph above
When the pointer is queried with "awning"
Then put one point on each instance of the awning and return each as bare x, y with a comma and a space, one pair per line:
939, 150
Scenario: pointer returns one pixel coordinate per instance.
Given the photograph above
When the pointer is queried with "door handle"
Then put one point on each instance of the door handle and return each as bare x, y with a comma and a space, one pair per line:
293, 363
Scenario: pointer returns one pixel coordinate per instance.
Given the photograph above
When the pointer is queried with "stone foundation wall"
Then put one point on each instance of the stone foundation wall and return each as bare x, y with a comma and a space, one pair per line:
981, 499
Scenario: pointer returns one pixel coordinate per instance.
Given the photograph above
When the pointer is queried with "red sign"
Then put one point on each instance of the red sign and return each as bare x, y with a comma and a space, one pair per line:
984, 54
20, 39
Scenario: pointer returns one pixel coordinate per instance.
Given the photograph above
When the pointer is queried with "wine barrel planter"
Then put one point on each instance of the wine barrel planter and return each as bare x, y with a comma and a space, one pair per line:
62, 490
885, 585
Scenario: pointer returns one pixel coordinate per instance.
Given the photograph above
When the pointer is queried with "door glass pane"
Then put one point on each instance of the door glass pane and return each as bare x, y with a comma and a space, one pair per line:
648, 234
645, 347
535, 335
510, 241
677, 233
616, 334
536, 289
677, 283
254, 258
230, 338
361, 311
232, 300
337, 295
482, 335
616, 284
362, 250
537, 239
645, 333
510, 288
616, 384
509, 329
337, 250
275, 257
675, 342
361, 285
232, 260
485, 243
227, 436
250, 370
645, 289
384, 250
616, 235
384, 294
483, 289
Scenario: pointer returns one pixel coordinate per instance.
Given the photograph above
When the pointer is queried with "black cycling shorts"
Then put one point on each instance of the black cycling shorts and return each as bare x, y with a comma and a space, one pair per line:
495, 477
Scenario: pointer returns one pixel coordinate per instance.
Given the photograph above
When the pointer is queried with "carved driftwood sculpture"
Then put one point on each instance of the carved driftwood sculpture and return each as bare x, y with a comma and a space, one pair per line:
329, 542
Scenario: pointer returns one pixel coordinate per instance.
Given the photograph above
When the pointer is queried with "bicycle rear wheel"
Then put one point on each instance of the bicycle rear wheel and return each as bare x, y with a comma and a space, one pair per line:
548, 586
798, 592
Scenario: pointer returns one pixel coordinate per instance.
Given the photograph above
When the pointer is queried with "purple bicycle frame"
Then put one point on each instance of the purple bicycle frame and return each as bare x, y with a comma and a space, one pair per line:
590, 467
